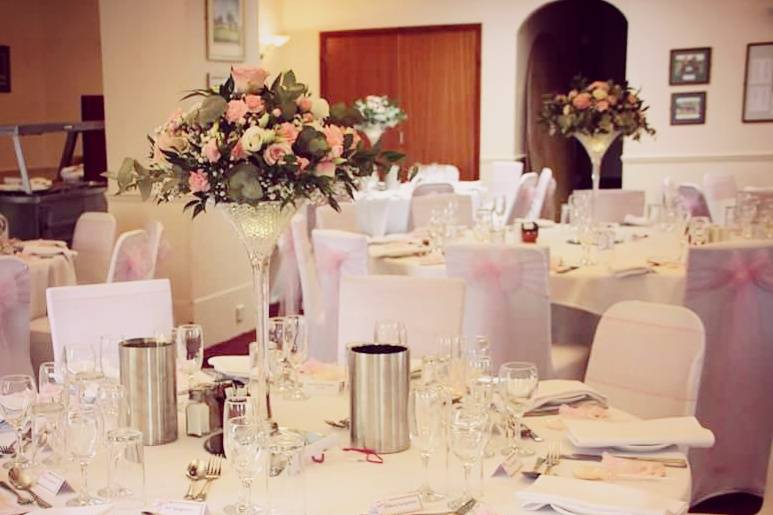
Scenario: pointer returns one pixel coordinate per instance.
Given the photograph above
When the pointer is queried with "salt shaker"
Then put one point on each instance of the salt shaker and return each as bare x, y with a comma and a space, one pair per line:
197, 414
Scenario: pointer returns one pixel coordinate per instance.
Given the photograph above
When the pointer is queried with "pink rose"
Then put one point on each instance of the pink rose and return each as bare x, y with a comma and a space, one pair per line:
325, 168
602, 105
276, 112
210, 151
304, 104
334, 135
287, 131
599, 84
308, 117
275, 152
254, 103
237, 152
248, 80
581, 101
198, 182
303, 163
236, 110
174, 121
572, 94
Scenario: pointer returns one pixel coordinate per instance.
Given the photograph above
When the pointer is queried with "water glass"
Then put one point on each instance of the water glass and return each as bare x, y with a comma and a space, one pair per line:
112, 405
427, 408
50, 384
746, 213
699, 230
605, 244
83, 428
483, 222
244, 444
237, 406
126, 469
190, 350
296, 352
391, 332
499, 212
47, 434
17, 395
469, 434
654, 213
517, 387
278, 366
286, 488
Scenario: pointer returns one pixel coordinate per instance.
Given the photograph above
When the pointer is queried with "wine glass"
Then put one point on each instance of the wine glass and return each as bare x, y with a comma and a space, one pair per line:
237, 406
699, 230
517, 386
111, 404
17, 394
244, 447
470, 431
390, 332
296, 351
83, 370
190, 350
278, 366
427, 404
50, 387
83, 427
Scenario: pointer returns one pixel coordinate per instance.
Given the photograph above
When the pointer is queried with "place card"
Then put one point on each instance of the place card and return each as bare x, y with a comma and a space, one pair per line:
397, 505
53, 483
509, 467
321, 387
180, 508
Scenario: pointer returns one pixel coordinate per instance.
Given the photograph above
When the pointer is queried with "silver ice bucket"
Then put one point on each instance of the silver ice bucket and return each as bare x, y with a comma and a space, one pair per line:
379, 377
148, 374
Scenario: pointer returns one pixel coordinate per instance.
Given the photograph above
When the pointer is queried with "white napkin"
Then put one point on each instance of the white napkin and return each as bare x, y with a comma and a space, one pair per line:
554, 392
626, 268
392, 238
588, 497
46, 250
662, 431
640, 221
395, 250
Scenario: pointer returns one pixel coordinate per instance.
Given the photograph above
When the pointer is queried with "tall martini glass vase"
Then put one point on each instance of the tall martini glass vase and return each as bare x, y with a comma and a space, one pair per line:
596, 145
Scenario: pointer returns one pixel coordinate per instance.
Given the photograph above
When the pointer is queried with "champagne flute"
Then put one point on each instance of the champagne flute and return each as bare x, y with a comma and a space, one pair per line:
517, 386
83, 427
427, 403
190, 350
296, 351
244, 445
470, 432
17, 394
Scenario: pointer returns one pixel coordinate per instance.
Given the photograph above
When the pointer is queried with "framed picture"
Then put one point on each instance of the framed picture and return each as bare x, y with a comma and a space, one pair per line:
216, 79
688, 108
690, 66
5, 69
758, 83
225, 30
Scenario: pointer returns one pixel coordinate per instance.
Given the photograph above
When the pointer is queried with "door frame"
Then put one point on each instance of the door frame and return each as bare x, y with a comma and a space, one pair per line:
421, 29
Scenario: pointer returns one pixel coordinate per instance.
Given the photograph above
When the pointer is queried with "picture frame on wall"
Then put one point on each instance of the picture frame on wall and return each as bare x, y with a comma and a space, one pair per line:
689, 66
688, 108
225, 30
5, 69
758, 83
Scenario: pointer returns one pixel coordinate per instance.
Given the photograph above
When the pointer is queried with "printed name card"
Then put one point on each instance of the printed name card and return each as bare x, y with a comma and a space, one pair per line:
397, 505
180, 508
510, 466
53, 483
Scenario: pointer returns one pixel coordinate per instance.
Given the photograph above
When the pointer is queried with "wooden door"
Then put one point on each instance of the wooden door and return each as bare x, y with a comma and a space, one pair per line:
433, 73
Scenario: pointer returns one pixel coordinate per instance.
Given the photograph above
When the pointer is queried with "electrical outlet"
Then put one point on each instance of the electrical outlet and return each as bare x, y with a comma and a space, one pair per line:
239, 312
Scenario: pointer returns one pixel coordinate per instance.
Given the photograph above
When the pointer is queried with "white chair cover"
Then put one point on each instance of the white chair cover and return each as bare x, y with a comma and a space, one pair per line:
613, 205
523, 197
343, 220
310, 290
336, 253
155, 230
647, 358
81, 315
132, 259
432, 188
437, 173
14, 317
422, 207
549, 207
5, 227
93, 239
540, 194
372, 215
720, 190
691, 197
429, 308
507, 300
503, 178
731, 290
287, 280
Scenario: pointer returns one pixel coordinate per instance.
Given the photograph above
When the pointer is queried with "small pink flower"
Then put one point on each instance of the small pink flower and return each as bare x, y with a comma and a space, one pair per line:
304, 104
308, 117
581, 101
303, 163
236, 110
237, 152
287, 131
198, 182
174, 121
210, 151
334, 135
254, 103
275, 152
276, 112
602, 105
247, 79
325, 168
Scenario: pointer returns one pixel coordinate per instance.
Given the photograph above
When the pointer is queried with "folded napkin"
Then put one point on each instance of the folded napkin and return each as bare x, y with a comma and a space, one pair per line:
396, 250
46, 243
552, 393
640, 221
585, 497
662, 431
392, 238
628, 268
46, 250
615, 467
431, 259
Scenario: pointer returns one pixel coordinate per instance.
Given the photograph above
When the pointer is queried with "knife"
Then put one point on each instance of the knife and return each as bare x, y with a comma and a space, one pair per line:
668, 462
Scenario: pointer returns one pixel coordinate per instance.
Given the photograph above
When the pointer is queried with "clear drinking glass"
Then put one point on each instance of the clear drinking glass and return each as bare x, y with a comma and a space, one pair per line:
498, 212
47, 431
17, 395
483, 222
50, 384
111, 403
296, 352
83, 428
286, 479
746, 213
699, 230
126, 469
245, 445
190, 350
278, 366
654, 213
237, 406
427, 406
470, 432
518, 382
83, 370
391, 332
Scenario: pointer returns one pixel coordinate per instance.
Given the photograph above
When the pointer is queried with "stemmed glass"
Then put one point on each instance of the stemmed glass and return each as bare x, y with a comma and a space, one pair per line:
470, 432
296, 351
277, 363
427, 403
50, 387
83, 369
17, 394
391, 332
517, 386
243, 443
83, 429
111, 405
237, 406
47, 412
500, 205
190, 350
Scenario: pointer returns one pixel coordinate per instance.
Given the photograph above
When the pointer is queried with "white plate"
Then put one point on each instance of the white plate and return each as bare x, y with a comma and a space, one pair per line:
643, 447
231, 366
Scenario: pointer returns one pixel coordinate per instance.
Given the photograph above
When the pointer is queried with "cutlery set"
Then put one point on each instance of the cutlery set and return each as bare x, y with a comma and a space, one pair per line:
197, 471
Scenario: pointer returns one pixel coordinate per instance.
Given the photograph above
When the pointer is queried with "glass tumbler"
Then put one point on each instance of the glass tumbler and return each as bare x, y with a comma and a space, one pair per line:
286, 481
126, 469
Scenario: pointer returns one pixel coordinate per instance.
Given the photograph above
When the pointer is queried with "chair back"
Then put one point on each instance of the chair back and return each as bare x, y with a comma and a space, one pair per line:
719, 189
93, 239
611, 206
311, 295
691, 197
540, 194
429, 308
506, 300
343, 220
372, 215
730, 287
503, 178
132, 259
549, 207
524, 196
14, 316
423, 206
647, 358
436, 172
432, 188
83, 315
155, 230
336, 254
767, 501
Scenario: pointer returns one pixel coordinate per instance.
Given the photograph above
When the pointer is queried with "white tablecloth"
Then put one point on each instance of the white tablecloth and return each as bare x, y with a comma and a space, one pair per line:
343, 484
45, 272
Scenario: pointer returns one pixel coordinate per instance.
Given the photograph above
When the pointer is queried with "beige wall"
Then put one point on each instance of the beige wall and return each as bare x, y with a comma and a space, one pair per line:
55, 58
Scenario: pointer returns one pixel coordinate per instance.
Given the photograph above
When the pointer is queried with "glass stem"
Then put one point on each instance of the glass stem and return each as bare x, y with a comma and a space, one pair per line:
19, 446
260, 270
425, 464
84, 481
467, 489
516, 431
246, 500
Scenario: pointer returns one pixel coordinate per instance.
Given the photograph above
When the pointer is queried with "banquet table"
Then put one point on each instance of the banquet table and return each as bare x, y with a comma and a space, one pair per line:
346, 484
47, 271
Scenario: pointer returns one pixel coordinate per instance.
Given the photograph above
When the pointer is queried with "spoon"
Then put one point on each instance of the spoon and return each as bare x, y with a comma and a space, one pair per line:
195, 471
23, 481
19, 498
534, 474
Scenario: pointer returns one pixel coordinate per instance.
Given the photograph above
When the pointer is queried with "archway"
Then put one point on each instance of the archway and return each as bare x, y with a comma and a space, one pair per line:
556, 42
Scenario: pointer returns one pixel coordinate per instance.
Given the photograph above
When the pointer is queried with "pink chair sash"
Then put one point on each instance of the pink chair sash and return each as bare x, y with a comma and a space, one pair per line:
134, 262
14, 317
14, 290
508, 276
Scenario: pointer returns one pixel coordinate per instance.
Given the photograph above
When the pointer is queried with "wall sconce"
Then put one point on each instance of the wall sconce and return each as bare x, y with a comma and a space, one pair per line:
271, 41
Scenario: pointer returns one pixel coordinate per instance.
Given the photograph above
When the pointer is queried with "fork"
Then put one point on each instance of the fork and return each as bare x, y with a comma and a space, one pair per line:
214, 468
553, 456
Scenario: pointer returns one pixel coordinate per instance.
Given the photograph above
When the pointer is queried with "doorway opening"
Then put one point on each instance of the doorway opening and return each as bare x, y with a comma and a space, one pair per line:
557, 42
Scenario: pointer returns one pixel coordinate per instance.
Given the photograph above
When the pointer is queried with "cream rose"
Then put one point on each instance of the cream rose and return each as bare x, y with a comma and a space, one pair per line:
254, 138
169, 143
599, 94
320, 108
247, 79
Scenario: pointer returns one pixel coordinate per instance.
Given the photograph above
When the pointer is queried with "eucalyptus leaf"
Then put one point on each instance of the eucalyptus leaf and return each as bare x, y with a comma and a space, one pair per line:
211, 109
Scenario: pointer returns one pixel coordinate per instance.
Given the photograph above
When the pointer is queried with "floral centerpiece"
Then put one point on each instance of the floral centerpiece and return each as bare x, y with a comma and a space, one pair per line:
596, 114
379, 113
256, 150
